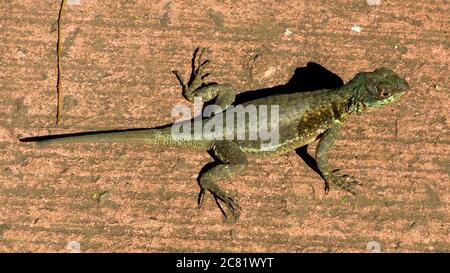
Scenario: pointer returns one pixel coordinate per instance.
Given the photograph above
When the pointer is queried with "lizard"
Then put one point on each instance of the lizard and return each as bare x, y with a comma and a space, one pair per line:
303, 118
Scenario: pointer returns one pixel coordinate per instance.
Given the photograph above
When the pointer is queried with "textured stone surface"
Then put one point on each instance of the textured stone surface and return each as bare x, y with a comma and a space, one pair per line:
117, 62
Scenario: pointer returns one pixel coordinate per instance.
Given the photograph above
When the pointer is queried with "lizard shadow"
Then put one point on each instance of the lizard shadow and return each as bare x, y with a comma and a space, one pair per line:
309, 78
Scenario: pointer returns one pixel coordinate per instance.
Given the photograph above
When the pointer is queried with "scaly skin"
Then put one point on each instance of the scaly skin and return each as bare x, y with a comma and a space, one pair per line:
303, 117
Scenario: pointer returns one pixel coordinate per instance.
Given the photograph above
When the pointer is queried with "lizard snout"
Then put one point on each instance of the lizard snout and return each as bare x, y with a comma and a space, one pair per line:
402, 85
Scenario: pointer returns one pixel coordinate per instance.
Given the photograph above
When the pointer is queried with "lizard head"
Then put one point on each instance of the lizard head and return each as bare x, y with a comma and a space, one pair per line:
375, 89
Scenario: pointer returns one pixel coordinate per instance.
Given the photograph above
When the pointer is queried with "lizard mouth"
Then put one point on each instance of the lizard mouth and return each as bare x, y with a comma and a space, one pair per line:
379, 103
389, 100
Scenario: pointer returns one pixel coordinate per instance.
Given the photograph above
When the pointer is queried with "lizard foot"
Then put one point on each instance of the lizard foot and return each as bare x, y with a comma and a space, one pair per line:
197, 75
343, 181
222, 197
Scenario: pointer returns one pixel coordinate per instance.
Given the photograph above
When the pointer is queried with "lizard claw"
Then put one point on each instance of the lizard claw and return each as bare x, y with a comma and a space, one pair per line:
205, 75
197, 69
201, 197
221, 197
197, 74
232, 206
197, 77
327, 187
180, 79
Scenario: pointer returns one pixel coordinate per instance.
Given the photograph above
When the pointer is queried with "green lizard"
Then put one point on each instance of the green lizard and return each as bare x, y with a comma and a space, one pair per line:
303, 117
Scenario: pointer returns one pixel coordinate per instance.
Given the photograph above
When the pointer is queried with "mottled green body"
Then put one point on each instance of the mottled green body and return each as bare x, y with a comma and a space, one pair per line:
303, 117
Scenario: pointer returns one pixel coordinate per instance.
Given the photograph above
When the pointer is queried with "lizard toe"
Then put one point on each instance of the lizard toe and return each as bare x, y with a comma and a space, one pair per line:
232, 207
345, 182
201, 197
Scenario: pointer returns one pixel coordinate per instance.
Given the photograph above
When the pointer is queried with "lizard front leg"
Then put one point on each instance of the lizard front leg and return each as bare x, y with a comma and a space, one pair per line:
325, 144
224, 94
232, 161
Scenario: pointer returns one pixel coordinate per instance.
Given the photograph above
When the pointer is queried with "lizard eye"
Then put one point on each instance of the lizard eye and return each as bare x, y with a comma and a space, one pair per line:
383, 93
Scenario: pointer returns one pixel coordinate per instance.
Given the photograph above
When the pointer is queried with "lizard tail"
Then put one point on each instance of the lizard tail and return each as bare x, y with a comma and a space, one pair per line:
159, 137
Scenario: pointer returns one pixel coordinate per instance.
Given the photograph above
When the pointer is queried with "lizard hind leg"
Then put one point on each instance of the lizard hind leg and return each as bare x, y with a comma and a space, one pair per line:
232, 160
